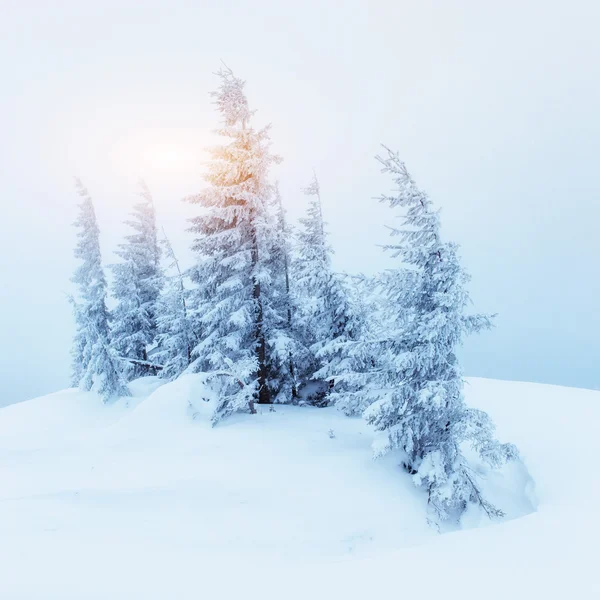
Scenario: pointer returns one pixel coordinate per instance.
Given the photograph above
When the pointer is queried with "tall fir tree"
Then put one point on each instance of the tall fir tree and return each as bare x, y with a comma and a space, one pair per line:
138, 280
415, 385
95, 363
234, 240
325, 314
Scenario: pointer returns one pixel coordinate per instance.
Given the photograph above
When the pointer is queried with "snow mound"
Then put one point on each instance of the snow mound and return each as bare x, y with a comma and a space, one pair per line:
168, 408
143, 499
144, 386
54, 419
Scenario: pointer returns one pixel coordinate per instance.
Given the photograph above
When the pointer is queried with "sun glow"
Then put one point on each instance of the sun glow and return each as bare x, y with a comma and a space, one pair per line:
169, 157
161, 153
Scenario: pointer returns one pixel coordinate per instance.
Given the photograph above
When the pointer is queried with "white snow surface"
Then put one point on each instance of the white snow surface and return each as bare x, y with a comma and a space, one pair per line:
142, 499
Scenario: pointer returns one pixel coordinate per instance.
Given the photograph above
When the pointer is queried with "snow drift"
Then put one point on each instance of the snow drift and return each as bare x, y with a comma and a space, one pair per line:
143, 499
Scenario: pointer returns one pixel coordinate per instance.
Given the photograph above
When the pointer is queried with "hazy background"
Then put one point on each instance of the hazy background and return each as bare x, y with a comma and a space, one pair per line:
493, 105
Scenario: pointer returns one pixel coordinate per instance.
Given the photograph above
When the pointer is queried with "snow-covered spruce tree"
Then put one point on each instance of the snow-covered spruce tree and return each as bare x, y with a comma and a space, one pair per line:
80, 348
234, 237
364, 364
177, 333
352, 360
138, 281
95, 363
325, 315
286, 350
421, 410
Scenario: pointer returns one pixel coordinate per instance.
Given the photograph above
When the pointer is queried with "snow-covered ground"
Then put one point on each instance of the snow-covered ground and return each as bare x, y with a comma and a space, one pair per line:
142, 499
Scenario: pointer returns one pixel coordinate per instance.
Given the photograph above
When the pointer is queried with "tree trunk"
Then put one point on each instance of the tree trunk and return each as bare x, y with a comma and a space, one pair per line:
171, 254
289, 322
289, 306
146, 364
264, 396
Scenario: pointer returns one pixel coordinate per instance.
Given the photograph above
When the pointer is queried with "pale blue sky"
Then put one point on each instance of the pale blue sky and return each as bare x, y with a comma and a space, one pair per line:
494, 107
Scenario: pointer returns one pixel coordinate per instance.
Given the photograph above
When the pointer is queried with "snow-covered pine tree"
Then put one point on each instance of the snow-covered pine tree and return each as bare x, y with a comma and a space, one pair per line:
325, 314
138, 281
352, 360
311, 269
131, 322
421, 410
176, 332
286, 350
95, 363
81, 348
234, 236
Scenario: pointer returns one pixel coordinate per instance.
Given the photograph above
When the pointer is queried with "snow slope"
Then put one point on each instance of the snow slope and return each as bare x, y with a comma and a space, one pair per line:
142, 499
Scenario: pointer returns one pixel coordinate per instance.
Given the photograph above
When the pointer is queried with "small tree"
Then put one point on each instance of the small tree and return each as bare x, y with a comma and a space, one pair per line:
287, 353
420, 408
352, 360
325, 314
95, 363
176, 332
138, 281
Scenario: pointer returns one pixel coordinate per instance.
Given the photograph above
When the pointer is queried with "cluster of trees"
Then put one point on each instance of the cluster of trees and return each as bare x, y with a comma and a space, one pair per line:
264, 316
